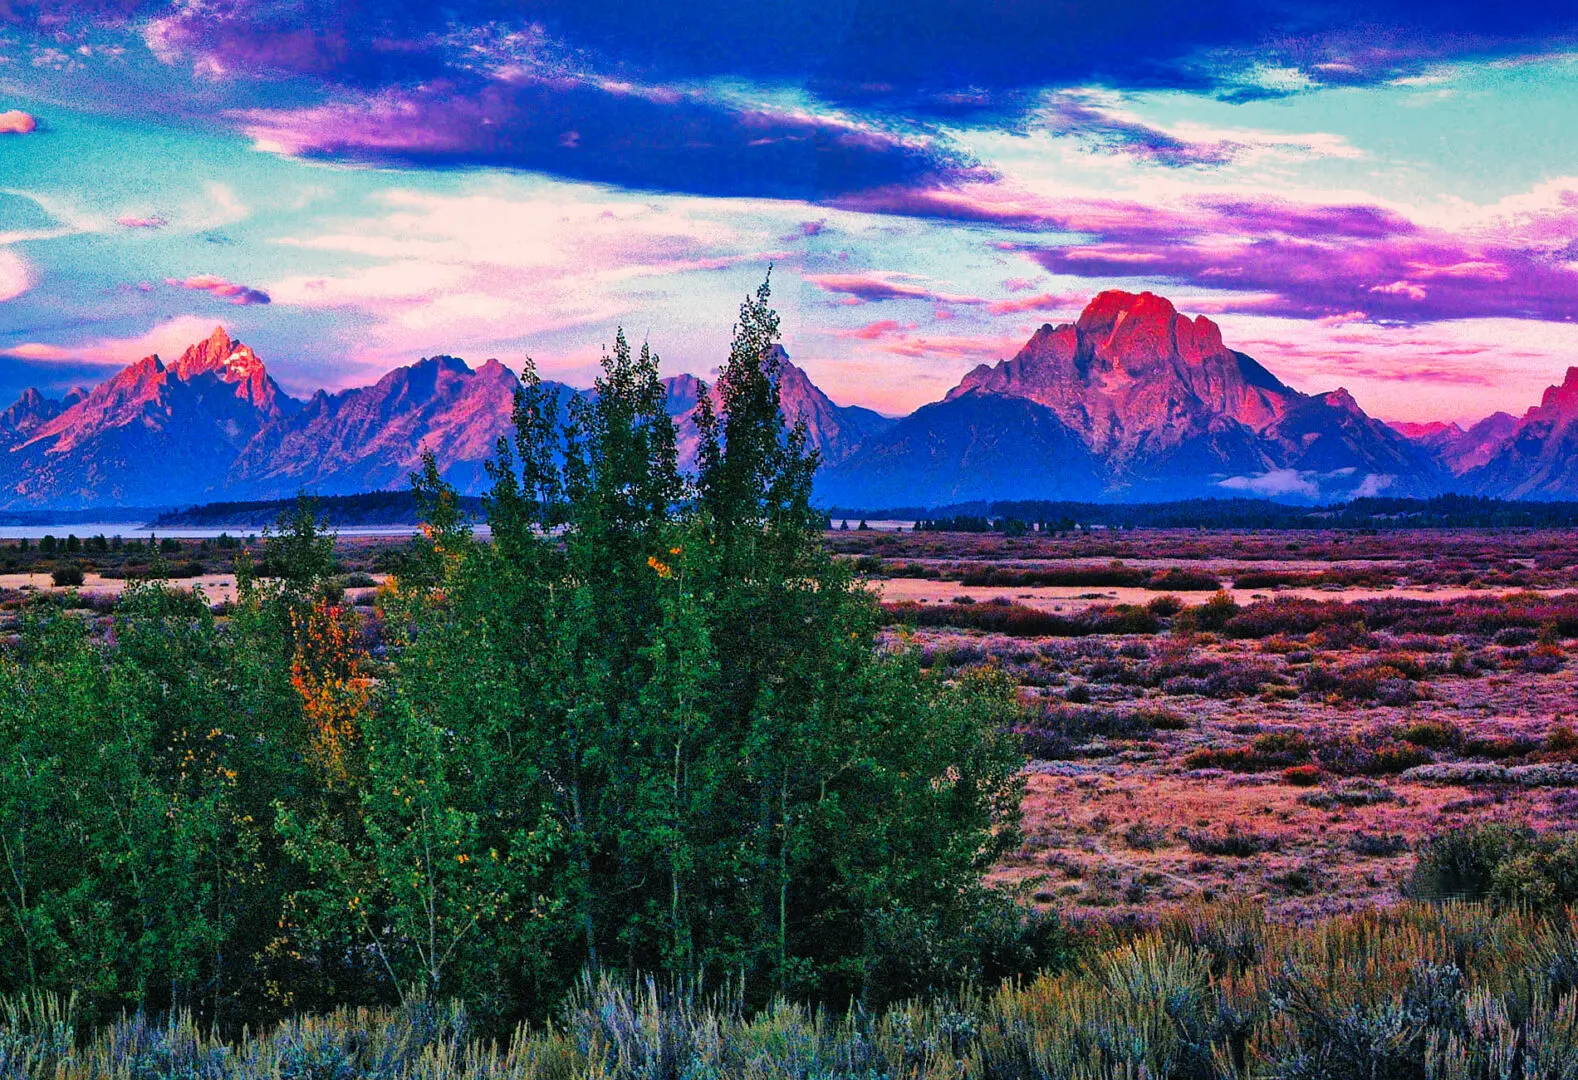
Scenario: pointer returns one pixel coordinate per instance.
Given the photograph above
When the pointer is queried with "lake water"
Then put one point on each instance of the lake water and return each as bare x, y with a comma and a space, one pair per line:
130, 530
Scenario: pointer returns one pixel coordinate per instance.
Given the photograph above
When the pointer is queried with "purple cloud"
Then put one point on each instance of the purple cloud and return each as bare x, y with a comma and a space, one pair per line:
1279, 258
218, 287
869, 287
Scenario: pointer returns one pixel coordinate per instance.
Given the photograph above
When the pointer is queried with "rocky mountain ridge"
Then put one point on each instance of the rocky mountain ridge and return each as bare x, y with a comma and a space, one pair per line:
1133, 402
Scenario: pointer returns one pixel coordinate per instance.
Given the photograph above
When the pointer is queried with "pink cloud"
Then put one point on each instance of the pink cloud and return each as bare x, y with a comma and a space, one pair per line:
17, 122
874, 331
132, 221
1044, 302
219, 287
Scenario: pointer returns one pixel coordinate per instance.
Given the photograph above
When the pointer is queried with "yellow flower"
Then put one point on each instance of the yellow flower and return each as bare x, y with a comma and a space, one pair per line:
662, 569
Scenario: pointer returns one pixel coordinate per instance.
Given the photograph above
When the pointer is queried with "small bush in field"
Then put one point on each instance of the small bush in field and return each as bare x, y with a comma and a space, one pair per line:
1144, 837
1213, 615
1297, 882
1178, 579
1232, 842
1377, 846
67, 576
1432, 734
1273, 750
1301, 775
1509, 865
1561, 739
1165, 606
1161, 719
1543, 659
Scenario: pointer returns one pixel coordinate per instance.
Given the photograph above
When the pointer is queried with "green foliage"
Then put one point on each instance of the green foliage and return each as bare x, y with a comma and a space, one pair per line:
644, 726
1504, 864
67, 575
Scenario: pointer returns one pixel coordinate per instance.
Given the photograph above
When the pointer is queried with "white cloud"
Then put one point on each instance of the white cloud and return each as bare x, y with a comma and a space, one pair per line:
16, 277
1275, 482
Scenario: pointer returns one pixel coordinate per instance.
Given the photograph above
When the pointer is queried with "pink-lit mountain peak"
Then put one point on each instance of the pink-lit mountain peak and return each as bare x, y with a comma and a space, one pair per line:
1137, 330
1562, 398
1131, 372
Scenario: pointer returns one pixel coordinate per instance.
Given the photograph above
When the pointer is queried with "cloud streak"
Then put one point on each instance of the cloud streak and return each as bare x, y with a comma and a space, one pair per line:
1278, 257
221, 289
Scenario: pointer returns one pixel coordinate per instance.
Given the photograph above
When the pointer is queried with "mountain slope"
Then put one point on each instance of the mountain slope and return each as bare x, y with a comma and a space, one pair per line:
1458, 449
1166, 410
977, 445
373, 437
833, 431
1539, 458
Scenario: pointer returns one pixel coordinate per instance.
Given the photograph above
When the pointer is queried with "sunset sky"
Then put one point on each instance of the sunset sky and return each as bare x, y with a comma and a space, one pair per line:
1379, 195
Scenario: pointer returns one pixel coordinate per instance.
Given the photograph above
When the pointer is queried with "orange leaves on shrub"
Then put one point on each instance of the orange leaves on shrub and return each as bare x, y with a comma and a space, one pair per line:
328, 670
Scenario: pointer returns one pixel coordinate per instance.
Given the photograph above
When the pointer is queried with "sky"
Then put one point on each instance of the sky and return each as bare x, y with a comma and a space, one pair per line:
1381, 196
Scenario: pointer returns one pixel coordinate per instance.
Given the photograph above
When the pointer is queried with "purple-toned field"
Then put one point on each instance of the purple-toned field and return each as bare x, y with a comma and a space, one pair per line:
1282, 716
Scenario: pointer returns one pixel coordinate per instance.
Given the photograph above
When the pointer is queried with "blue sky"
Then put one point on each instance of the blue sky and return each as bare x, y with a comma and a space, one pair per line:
1379, 196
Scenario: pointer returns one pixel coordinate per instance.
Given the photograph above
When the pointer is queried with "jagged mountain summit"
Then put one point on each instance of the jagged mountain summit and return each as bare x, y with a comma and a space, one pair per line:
373, 437
146, 436
1133, 401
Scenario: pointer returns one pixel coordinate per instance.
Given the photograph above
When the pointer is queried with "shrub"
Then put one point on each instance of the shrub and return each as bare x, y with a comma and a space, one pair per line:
1177, 579
1377, 846
1144, 837
1231, 841
67, 576
1301, 775
1214, 614
1509, 865
1165, 606
1274, 750
1432, 734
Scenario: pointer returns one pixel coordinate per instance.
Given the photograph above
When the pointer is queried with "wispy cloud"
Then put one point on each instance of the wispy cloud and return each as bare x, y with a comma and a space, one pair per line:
886, 285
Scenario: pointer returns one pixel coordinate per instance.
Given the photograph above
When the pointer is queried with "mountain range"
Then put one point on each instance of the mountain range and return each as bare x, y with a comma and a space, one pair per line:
1131, 402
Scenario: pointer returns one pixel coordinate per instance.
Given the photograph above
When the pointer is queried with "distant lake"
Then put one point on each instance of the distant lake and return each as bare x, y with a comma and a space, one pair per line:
131, 530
